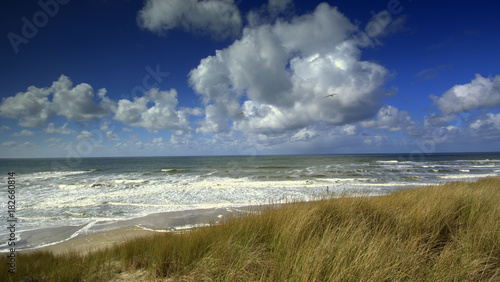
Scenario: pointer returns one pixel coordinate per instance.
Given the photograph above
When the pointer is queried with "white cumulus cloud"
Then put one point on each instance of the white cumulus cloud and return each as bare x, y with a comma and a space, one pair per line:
54, 140
24, 132
488, 122
111, 136
391, 119
51, 129
158, 140
480, 92
77, 103
9, 143
162, 115
277, 76
35, 106
279, 5
32, 107
221, 18
84, 135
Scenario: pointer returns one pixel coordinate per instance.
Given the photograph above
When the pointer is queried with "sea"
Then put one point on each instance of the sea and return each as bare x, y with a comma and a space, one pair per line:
72, 197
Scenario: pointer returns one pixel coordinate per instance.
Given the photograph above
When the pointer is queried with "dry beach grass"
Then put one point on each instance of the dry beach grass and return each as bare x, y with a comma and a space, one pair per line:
449, 232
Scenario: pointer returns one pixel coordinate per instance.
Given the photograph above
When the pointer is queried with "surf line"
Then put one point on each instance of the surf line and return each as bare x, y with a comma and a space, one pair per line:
11, 221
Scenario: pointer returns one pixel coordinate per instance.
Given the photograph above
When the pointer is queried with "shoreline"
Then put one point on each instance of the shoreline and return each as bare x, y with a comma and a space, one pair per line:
103, 195
94, 236
398, 236
94, 242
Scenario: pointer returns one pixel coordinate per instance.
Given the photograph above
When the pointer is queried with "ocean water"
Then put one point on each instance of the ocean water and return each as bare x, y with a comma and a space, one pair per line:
77, 195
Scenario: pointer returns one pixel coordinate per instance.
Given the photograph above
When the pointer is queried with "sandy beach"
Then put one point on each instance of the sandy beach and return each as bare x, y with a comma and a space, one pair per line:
106, 194
99, 237
398, 236
94, 242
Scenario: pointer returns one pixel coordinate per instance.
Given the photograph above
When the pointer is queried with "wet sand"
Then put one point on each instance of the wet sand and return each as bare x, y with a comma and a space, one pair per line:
94, 242
100, 236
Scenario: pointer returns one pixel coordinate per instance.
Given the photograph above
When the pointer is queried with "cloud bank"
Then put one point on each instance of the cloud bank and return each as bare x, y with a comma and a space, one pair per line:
156, 110
290, 84
36, 106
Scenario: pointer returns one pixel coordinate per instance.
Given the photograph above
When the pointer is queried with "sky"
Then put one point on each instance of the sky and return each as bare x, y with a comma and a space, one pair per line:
238, 77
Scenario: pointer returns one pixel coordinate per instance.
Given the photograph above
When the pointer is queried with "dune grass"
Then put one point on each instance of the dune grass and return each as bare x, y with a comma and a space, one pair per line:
450, 232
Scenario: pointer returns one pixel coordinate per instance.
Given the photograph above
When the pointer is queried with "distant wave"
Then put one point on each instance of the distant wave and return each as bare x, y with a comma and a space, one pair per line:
80, 186
272, 167
108, 190
388, 162
466, 176
128, 181
172, 170
95, 169
98, 185
71, 186
45, 174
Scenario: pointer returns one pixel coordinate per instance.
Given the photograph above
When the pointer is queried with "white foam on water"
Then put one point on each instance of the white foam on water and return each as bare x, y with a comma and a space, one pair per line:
145, 205
41, 218
72, 186
394, 184
73, 198
336, 180
153, 230
82, 231
388, 162
465, 176
191, 226
127, 181
51, 174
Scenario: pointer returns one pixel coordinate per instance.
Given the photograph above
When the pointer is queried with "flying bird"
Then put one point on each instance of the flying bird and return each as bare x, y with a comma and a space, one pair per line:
239, 114
390, 94
331, 95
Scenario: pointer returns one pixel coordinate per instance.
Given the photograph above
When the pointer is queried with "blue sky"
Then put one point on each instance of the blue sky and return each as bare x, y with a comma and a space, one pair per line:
216, 77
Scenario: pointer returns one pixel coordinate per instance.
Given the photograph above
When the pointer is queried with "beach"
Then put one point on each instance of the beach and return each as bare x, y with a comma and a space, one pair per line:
434, 233
58, 200
89, 243
97, 237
